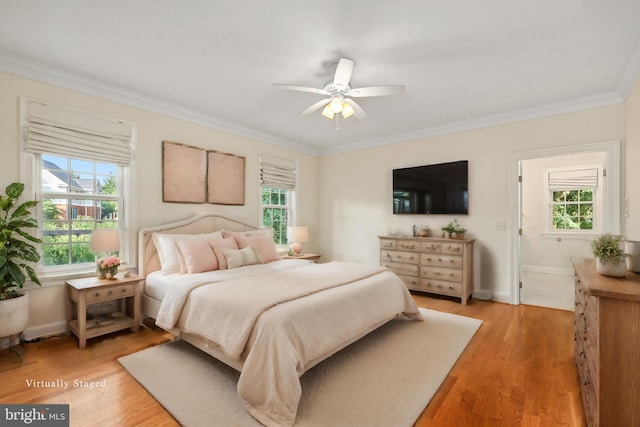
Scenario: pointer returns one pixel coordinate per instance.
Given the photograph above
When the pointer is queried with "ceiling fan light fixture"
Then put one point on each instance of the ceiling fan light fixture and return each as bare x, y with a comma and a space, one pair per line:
336, 105
347, 110
327, 112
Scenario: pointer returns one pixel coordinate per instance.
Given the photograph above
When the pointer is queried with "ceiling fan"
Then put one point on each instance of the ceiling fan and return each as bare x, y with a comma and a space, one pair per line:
339, 94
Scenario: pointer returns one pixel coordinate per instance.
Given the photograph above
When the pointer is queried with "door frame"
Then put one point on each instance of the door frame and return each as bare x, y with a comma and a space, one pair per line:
613, 185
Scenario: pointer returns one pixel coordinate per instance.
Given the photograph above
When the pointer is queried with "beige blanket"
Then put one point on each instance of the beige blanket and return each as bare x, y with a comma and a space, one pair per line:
284, 322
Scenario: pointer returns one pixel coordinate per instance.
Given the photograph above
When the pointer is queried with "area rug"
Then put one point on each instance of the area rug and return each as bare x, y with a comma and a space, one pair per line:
385, 379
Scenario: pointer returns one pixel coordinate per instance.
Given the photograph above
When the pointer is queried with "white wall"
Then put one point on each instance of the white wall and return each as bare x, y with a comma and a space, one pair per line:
47, 308
355, 192
631, 161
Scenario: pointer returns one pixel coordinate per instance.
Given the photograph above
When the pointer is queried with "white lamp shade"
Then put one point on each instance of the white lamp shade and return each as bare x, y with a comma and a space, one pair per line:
298, 234
107, 240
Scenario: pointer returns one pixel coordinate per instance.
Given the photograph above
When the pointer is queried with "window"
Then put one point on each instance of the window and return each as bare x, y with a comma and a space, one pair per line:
278, 181
574, 200
77, 197
78, 166
572, 210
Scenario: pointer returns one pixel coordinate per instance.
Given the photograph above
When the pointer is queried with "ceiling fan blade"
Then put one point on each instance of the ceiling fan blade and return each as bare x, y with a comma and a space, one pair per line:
315, 106
375, 91
301, 88
343, 73
359, 114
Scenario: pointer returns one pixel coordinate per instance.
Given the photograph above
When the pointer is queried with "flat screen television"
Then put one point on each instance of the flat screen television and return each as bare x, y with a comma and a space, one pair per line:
432, 189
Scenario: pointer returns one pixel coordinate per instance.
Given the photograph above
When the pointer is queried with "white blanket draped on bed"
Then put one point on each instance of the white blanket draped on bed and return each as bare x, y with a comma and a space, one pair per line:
265, 320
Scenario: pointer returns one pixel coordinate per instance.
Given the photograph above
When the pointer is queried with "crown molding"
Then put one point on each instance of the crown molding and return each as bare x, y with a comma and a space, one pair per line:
62, 78
65, 79
604, 99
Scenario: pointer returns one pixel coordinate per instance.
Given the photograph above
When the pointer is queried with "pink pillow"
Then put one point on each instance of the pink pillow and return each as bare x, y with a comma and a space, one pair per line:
218, 246
263, 245
198, 255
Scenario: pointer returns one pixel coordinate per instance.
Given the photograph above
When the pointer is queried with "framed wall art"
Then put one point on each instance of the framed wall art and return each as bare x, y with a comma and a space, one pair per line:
225, 178
184, 173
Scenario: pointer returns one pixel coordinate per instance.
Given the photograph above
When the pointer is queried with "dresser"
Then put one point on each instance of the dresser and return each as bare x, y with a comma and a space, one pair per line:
607, 347
430, 264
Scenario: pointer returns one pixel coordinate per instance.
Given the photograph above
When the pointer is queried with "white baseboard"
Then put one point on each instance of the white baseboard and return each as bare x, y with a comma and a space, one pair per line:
45, 330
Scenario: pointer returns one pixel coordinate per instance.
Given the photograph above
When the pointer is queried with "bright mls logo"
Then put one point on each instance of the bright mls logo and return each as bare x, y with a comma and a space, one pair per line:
34, 415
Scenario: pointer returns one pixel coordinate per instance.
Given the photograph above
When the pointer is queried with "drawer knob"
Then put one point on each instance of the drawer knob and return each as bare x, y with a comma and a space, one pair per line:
97, 294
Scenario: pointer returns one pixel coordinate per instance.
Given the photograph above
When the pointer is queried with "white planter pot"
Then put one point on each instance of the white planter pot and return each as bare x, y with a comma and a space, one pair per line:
14, 315
632, 248
612, 268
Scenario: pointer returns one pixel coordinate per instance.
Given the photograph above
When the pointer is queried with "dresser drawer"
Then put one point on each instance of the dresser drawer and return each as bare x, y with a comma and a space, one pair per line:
439, 273
439, 260
408, 245
412, 282
387, 244
402, 268
399, 256
441, 287
453, 248
431, 247
108, 294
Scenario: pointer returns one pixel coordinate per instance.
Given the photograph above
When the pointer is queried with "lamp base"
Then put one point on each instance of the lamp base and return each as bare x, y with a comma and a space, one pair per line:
296, 248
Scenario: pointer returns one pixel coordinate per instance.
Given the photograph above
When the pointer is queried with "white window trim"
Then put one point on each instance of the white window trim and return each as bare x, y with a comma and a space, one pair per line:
292, 194
599, 213
30, 175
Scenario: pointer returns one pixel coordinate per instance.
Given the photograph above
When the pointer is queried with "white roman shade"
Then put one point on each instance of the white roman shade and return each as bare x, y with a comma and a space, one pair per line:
65, 132
279, 173
573, 179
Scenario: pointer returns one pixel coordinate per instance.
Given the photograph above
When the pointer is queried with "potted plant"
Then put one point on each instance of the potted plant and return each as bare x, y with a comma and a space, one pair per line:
454, 229
610, 257
17, 251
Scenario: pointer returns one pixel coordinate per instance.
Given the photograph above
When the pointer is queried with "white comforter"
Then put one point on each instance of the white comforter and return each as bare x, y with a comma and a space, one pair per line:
281, 323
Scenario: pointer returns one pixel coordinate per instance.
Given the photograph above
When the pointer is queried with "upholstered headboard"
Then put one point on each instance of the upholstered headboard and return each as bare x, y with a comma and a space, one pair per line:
148, 260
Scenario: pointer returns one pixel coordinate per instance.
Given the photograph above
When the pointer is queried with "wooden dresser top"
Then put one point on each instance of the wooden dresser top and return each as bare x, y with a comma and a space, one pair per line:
627, 288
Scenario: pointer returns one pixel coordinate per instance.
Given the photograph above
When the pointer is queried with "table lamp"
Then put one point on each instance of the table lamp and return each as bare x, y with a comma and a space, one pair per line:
297, 235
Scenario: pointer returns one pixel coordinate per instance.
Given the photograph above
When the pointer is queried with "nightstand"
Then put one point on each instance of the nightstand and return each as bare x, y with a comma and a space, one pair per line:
91, 290
311, 257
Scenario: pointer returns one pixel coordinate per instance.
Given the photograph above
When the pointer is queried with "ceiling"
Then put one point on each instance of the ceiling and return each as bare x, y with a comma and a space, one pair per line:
465, 63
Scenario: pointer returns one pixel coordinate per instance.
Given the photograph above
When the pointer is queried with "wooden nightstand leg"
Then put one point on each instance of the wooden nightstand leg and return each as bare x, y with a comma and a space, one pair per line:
70, 307
82, 320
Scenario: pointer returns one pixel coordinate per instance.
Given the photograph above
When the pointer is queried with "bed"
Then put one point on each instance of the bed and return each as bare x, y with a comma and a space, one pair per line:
271, 319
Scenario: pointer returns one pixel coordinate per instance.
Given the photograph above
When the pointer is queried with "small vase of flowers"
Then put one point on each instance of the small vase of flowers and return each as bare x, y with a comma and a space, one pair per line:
107, 268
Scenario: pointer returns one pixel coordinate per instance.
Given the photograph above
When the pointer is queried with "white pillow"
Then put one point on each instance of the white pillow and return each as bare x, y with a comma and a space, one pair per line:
171, 260
240, 257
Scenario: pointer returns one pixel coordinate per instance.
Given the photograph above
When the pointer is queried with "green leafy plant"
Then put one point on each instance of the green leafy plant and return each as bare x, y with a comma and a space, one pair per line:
16, 245
454, 226
608, 248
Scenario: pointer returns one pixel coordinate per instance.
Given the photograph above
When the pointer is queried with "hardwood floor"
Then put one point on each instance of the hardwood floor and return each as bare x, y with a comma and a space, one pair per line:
517, 371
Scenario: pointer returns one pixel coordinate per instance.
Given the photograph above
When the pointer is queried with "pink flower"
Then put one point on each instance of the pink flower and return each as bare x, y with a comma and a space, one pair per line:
110, 262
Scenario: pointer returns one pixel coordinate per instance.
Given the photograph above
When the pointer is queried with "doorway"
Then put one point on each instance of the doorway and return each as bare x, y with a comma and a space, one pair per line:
540, 268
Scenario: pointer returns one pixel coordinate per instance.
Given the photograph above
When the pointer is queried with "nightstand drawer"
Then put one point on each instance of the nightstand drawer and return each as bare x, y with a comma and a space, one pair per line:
108, 294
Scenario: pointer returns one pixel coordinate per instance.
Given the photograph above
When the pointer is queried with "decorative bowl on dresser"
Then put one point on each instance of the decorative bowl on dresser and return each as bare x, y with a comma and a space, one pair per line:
607, 347
431, 264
